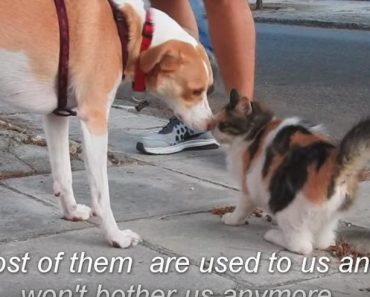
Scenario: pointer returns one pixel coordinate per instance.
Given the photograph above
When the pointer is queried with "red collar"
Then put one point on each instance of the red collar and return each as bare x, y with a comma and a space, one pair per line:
138, 84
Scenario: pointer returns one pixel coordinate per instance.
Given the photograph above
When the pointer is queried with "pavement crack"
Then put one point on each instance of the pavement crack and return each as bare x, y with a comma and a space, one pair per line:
49, 204
33, 170
297, 281
119, 159
169, 253
12, 113
12, 127
46, 235
201, 179
184, 213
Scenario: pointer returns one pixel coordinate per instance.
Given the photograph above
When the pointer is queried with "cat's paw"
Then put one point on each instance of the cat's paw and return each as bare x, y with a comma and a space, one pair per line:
324, 242
296, 244
233, 219
275, 236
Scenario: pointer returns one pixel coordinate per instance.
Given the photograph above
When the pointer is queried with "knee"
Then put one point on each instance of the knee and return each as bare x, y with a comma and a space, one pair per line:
96, 120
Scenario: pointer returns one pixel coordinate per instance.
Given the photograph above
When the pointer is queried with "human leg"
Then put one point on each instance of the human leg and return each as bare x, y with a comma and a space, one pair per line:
234, 18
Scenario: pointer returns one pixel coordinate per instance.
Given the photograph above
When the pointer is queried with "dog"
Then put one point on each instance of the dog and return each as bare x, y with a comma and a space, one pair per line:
176, 69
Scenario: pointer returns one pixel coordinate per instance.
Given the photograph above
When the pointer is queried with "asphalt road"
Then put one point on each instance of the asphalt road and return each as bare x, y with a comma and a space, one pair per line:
320, 74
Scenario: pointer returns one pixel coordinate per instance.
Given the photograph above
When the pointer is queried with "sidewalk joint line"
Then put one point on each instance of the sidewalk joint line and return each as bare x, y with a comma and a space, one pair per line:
45, 203
201, 179
167, 252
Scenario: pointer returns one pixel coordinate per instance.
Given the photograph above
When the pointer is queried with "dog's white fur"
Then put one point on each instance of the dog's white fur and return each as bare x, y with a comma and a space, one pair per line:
17, 81
35, 91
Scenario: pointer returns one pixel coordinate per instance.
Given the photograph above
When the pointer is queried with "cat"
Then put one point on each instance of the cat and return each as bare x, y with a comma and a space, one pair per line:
293, 170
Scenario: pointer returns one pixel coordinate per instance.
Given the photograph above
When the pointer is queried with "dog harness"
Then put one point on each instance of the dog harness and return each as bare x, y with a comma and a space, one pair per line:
122, 28
62, 81
62, 86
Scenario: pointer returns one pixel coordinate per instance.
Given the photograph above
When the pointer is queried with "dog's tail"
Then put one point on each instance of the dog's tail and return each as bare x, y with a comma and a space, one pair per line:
354, 150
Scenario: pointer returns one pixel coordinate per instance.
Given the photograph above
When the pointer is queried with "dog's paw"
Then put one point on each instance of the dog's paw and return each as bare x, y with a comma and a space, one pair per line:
79, 213
233, 220
124, 239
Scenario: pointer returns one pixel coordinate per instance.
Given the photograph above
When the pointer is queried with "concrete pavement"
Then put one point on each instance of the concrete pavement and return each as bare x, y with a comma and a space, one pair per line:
164, 198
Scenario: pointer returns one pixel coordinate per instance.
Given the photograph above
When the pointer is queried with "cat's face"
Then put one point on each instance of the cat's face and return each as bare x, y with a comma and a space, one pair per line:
233, 120
239, 118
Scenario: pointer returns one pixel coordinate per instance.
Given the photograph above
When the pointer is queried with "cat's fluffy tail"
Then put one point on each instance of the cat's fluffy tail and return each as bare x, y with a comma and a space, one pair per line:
354, 150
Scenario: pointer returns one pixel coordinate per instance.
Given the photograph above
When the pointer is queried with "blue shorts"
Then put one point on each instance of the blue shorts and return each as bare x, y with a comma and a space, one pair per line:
199, 13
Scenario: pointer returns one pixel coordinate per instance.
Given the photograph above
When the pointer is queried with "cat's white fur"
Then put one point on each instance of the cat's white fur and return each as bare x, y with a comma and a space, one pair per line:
299, 220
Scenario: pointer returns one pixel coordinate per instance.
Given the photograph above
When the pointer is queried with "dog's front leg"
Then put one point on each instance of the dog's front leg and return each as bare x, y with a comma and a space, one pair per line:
56, 129
95, 133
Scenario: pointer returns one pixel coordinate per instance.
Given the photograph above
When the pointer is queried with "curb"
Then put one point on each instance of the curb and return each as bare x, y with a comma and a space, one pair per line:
313, 23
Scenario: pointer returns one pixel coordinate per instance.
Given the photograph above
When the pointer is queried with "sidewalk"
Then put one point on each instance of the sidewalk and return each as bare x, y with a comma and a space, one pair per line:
345, 14
166, 199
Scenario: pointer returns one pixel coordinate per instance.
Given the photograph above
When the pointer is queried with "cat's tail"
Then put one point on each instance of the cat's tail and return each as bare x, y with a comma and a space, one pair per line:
354, 150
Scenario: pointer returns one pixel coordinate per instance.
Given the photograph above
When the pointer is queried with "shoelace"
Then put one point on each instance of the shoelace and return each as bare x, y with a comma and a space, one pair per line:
170, 125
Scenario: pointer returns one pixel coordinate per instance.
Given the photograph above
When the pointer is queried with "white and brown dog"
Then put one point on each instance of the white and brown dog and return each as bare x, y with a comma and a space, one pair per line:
176, 67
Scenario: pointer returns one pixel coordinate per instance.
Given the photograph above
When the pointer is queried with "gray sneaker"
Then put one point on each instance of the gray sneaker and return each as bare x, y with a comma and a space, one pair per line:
173, 138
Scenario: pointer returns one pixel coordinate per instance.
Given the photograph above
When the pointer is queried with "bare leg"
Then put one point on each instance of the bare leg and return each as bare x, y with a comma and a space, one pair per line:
241, 212
56, 129
233, 17
233, 37
181, 12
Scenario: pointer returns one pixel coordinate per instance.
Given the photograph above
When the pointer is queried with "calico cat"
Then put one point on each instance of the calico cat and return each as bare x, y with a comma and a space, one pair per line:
291, 169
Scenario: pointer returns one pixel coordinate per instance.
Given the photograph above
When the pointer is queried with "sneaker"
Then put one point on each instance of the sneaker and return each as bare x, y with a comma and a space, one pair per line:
173, 138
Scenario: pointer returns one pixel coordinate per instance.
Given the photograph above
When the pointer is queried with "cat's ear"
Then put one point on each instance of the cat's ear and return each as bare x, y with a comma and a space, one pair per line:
234, 98
247, 105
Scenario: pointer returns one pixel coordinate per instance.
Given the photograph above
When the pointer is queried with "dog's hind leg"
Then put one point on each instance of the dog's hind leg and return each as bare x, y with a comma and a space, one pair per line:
56, 129
94, 123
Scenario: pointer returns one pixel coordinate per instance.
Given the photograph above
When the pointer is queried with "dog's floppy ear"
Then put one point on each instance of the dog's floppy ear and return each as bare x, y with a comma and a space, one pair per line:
167, 58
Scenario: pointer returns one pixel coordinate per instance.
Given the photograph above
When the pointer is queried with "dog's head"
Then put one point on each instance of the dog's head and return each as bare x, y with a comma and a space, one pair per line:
181, 74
